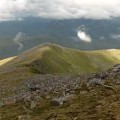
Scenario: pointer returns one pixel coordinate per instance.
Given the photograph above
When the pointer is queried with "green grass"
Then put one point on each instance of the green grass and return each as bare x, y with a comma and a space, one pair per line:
51, 58
63, 60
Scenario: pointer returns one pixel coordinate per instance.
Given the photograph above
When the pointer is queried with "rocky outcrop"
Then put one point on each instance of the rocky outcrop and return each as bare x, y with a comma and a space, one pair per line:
60, 88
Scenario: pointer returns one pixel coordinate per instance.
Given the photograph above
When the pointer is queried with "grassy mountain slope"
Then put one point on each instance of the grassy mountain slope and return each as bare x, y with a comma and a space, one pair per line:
51, 58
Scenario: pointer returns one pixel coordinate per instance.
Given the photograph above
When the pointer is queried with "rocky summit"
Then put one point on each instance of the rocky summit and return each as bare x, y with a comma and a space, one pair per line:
65, 97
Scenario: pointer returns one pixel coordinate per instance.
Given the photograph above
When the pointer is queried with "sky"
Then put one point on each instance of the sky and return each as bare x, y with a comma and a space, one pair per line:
59, 9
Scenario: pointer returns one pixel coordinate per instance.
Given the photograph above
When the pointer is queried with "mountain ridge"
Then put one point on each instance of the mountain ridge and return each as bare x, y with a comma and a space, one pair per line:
62, 59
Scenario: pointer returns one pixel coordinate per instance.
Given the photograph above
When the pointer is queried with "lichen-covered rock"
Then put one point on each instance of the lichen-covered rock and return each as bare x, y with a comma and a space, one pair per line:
95, 81
58, 101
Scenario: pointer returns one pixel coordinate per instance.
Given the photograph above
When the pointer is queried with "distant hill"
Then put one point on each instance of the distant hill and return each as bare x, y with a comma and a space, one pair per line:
104, 34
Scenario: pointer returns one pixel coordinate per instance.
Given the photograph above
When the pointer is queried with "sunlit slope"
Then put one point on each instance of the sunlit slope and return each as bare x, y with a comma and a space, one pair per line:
51, 58
4, 61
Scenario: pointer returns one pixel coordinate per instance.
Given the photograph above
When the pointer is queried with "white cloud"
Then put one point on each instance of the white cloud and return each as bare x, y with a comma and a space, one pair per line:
115, 36
84, 36
59, 9
19, 40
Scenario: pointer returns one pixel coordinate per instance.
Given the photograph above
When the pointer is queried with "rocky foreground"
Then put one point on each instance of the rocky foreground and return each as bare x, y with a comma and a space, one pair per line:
65, 97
